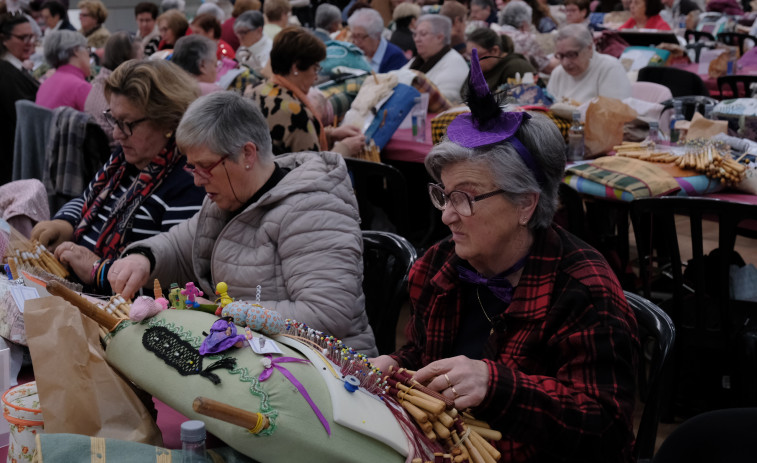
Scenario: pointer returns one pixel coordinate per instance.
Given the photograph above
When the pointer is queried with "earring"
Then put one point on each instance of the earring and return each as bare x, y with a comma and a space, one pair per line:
296, 73
169, 134
247, 167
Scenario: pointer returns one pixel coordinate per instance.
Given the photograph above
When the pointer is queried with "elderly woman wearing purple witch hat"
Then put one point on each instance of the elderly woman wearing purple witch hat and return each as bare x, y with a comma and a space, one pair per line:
513, 316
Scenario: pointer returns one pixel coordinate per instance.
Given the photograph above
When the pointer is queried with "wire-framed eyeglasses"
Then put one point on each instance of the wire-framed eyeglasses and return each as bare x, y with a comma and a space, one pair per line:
204, 172
126, 127
461, 201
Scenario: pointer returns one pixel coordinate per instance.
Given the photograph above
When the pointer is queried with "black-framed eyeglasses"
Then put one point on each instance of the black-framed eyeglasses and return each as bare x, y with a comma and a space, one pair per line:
126, 127
461, 201
26, 38
569, 55
204, 172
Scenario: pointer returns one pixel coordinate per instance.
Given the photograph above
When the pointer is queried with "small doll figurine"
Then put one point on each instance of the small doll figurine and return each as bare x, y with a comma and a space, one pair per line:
222, 291
223, 336
191, 292
174, 296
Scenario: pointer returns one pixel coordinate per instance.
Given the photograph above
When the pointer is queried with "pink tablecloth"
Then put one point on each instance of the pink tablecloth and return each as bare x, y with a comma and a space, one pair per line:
402, 146
712, 84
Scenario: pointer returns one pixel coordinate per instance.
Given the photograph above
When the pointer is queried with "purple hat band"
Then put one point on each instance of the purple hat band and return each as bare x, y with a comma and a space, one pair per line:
469, 132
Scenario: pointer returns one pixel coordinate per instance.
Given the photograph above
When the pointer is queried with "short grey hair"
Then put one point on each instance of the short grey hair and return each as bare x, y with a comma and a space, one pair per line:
61, 45
213, 9
440, 24
167, 5
190, 51
327, 14
546, 145
224, 122
370, 20
515, 14
249, 21
578, 32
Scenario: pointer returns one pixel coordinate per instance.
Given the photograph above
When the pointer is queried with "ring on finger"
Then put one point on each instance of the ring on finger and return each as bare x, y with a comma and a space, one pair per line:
449, 383
454, 392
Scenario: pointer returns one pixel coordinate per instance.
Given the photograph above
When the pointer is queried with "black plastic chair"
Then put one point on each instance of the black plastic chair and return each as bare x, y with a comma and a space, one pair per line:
732, 82
697, 36
735, 39
387, 259
655, 329
690, 104
696, 294
381, 193
721, 436
680, 82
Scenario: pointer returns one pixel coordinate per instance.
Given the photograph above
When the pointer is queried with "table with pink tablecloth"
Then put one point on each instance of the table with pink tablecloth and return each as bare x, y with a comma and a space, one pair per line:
403, 147
712, 83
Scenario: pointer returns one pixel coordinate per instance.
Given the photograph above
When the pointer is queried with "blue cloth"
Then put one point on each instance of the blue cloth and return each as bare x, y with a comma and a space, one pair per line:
393, 58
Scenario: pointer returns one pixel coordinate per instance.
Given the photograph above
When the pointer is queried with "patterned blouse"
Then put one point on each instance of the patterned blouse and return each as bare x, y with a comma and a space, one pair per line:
292, 125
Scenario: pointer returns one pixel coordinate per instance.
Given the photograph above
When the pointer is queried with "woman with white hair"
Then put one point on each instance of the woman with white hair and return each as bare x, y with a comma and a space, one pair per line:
286, 223
515, 22
445, 67
67, 52
366, 27
583, 72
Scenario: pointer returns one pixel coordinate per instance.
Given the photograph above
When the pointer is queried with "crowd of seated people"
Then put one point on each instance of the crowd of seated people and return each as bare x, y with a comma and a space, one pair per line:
219, 131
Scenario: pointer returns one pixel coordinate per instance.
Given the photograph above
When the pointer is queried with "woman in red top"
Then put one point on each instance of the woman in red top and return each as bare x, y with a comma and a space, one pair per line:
645, 15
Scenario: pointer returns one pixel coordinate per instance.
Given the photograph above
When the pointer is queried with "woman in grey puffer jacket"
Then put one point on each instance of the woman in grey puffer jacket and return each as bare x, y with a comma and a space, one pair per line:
290, 226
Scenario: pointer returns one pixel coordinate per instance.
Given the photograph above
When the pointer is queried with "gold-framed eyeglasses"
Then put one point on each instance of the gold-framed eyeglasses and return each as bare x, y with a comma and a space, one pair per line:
461, 201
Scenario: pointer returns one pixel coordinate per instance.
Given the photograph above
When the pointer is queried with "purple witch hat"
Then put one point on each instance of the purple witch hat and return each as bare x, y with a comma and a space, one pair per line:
487, 123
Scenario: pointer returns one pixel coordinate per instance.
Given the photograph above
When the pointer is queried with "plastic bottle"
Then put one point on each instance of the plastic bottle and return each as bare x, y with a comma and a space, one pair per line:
576, 139
675, 134
708, 110
419, 122
654, 133
193, 442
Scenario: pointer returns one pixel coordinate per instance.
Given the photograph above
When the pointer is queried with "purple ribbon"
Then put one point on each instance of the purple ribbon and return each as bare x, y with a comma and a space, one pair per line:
499, 285
274, 363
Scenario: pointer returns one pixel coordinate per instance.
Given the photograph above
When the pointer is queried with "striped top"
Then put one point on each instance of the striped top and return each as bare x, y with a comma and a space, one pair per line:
174, 201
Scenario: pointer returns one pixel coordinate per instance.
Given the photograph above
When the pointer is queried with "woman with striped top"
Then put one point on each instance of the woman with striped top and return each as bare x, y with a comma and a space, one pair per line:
142, 190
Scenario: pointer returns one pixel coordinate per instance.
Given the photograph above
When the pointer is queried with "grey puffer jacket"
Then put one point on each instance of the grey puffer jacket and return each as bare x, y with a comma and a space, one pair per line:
300, 242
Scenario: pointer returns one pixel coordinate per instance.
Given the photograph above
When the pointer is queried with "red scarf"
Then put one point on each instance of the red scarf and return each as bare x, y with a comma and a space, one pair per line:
110, 243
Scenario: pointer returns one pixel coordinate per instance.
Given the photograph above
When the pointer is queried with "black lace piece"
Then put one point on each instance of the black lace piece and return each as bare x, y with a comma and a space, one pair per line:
180, 354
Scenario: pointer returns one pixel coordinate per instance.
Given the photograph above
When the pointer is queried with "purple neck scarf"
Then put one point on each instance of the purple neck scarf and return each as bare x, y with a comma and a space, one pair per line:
499, 285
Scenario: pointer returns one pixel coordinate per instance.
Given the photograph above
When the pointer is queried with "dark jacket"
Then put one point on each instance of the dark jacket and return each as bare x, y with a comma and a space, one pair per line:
393, 59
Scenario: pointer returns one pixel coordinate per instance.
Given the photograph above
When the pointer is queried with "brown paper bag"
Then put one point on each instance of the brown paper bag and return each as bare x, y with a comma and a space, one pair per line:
78, 391
604, 125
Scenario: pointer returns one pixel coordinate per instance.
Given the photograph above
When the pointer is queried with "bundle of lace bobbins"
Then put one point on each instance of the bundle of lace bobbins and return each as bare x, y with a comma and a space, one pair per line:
35, 255
464, 438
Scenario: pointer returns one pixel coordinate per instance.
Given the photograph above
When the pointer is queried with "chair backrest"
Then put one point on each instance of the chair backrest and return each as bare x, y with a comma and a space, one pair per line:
732, 82
32, 133
679, 82
387, 259
381, 193
735, 39
656, 229
650, 91
690, 105
656, 330
697, 36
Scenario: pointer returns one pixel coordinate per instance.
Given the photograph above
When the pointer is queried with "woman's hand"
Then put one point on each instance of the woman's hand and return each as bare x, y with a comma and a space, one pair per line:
78, 258
345, 131
350, 146
129, 274
383, 363
51, 233
461, 379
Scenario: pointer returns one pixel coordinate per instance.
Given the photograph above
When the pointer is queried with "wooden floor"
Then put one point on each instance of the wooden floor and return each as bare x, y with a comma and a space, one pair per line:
746, 247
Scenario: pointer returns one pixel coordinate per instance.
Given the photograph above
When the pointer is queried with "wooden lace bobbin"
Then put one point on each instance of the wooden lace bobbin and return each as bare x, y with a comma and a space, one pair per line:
253, 422
484, 444
13, 265
106, 320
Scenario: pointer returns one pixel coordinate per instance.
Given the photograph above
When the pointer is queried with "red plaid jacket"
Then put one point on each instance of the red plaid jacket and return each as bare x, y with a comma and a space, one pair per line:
562, 372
